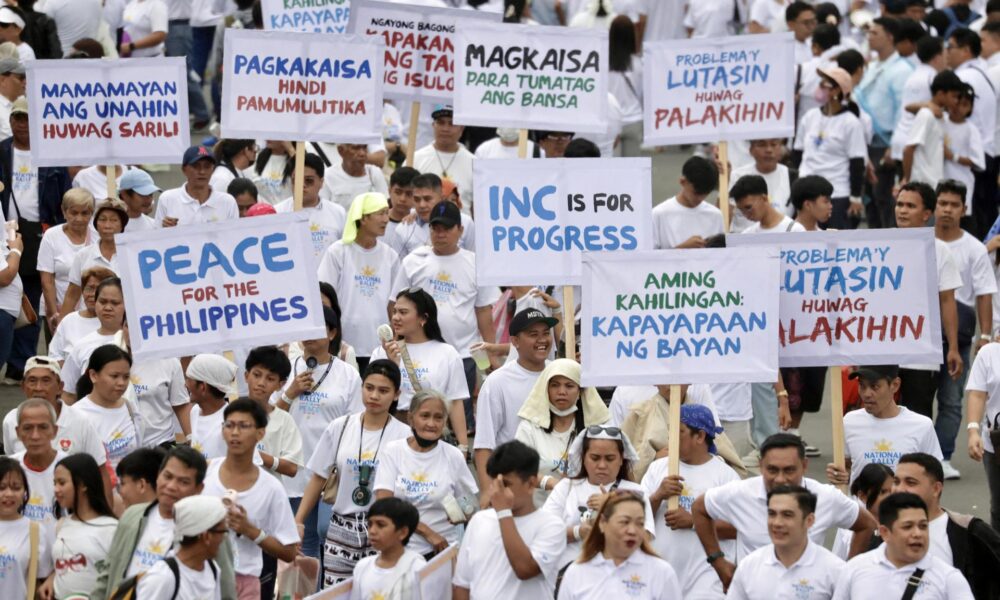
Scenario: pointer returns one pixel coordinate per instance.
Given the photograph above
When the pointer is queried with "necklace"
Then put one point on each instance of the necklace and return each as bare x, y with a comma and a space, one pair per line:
362, 494
444, 169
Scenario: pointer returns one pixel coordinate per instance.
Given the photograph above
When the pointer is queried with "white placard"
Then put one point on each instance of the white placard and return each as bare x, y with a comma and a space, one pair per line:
532, 77
722, 89
680, 316
206, 288
302, 87
536, 218
856, 297
341, 591
306, 16
92, 112
435, 576
419, 45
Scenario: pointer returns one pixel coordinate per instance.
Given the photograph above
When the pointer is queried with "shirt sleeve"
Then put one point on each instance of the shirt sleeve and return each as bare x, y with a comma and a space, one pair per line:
918, 128
71, 373
178, 391
980, 374
737, 589
46, 539
158, 17
977, 153
984, 280
466, 483
487, 296
844, 508
291, 443
556, 501
671, 587
717, 500
76, 270
857, 145
157, 583
957, 586
930, 443
458, 389
280, 520
385, 474
949, 277
548, 546
799, 142
47, 254
463, 566
401, 282
486, 437
321, 461
330, 265
842, 589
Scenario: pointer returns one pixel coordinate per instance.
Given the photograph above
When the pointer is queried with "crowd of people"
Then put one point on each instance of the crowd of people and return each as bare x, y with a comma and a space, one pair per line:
463, 422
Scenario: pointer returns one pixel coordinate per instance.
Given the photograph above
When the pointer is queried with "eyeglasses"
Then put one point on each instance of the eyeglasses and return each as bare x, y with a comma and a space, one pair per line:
597, 429
242, 426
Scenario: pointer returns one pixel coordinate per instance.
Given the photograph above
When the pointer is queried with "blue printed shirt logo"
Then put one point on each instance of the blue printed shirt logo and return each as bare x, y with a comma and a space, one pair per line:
802, 589
634, 586
441, 287
882, 454
417, 487
368, 281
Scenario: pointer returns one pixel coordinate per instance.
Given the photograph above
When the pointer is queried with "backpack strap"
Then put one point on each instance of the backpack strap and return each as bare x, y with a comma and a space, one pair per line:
176, 570
912, 584
33, 559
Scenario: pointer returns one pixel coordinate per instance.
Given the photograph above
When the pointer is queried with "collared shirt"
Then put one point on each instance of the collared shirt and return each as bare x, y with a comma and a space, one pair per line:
178, 204
880, 94
870, 576
984, 112
640, 576
762, 576
744, 505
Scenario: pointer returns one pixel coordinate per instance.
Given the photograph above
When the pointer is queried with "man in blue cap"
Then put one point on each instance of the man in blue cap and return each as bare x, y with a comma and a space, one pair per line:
195, 202
136, 190
701, 470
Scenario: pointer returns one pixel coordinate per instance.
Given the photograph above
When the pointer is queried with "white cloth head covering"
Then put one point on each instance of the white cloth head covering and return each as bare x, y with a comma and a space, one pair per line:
536, 407
214, 370
575, 460
195, 515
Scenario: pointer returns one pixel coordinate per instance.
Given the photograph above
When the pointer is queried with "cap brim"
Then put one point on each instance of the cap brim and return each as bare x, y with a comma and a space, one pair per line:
865, 374
145, 190
548, 321
443, 221
202, 157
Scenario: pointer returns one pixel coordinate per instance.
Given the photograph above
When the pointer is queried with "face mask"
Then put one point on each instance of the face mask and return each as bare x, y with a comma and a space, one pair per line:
821, 95
423, 442
562, 413
507, 134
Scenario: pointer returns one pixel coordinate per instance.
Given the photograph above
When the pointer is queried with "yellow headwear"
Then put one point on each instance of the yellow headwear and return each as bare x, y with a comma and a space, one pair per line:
363, 204
536, 406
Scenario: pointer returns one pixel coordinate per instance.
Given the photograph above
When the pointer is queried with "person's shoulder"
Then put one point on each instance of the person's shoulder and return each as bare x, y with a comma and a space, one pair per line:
756, 557
914, 418
972, 242
171, 194
52, 231
827, 557
217, 197
855, 417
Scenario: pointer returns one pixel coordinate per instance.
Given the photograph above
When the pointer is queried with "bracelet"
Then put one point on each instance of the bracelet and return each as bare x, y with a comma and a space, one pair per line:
286, 399
15, 251
542, 485
505, 514
711, 558
275, 463
985, 337
972, 426
576, 533
782, 394
260, 538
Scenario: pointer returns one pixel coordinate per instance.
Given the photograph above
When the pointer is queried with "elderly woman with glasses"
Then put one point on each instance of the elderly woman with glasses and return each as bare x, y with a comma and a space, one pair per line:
600, 462
556, 410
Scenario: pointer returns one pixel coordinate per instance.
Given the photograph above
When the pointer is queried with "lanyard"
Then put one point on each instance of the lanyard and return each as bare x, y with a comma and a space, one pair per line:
362, 439
321, 379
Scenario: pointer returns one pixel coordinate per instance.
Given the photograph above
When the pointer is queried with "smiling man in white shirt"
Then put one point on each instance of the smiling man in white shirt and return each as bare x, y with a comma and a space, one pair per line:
792, 565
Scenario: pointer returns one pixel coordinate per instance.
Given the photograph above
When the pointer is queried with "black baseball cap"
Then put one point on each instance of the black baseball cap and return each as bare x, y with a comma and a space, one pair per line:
875, 372
446, 213
528, 317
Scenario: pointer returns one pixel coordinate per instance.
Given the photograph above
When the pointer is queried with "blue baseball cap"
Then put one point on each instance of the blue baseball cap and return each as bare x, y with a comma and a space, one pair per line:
442, 110
196, 153
138, 181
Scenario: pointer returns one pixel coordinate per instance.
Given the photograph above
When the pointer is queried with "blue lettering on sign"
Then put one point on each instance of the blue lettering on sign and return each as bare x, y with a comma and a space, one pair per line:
227, 316
298, 66
176, 261
524, 204
323, 20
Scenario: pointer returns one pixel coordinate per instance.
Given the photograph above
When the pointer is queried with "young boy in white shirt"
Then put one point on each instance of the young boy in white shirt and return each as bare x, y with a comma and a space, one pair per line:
810, 197
686, 220
766, 156
751, 197
392, 573
524, 563
963, 146
923, 157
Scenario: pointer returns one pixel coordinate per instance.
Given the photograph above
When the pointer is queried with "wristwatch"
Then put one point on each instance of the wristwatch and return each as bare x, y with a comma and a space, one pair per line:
714, 556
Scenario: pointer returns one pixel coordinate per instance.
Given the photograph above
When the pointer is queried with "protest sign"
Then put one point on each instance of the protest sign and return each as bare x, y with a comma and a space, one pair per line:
341, 591
531, 77
677, 316
89, 112
543, 215
306, 16
856, 297
302, 87
208, 288
435, 576
419, 45
723, 89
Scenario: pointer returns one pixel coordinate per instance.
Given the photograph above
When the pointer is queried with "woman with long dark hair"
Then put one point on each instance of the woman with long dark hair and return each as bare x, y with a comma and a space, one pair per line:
625, 83
233, 158
83, 535
102, 402
418, 346
15, 531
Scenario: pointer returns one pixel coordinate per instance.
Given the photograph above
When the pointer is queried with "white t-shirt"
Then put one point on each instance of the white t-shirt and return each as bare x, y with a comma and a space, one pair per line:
674, 224
140, 223
41, 502
948, 278
159, 387
79, 357
177, 204
870, 576
87, 258
363, 279
733, 401
72, 328
500, 398
916, 91
222, 177
159, 583
940, 547
142, 18
24, 187
74, 434
681, 548
964, 141
372, 582
552, 448
984, 376
569, 498
484, 569
662, 22
154, 543
282, 441
340, 188
268, 509
339, 395
828, 144
55, 256
15, 556
779, 192
114, 426
407, 237
75, 19
973, 263
424, 479
10, 294
927, 134
493, 148
762, 575
709, 18
80, 553
206, 432
272, 187
326, 222
870, 440
744, 505
786, 225
640, 576
437, 367
457, 165
96, 182
626, 87
984, 113
770, 14
371, 444
451, 281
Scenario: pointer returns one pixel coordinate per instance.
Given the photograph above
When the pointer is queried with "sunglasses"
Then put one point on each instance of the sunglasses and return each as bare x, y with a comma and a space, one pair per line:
597, 429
